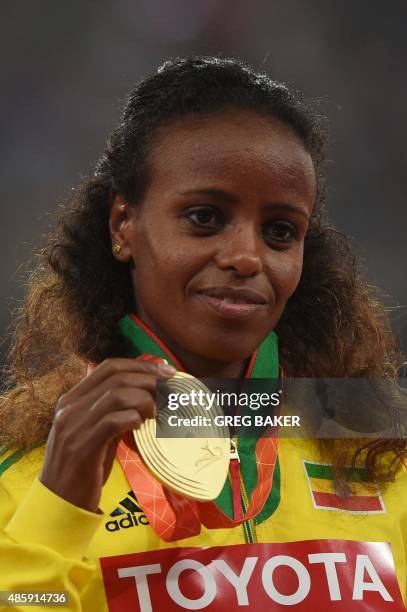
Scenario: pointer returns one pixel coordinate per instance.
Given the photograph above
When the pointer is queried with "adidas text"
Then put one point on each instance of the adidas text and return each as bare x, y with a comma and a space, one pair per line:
128, 520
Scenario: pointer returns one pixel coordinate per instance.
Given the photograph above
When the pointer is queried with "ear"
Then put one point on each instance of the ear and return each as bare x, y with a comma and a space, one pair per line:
121, 227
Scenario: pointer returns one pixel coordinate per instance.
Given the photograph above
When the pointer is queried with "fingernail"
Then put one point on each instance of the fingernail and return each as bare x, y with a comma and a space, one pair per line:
167, 370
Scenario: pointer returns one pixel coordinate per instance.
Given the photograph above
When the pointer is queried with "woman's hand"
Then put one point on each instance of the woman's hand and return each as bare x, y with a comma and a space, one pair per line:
89, 422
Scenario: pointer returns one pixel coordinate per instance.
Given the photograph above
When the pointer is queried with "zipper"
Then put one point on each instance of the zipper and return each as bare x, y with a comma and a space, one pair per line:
248, 526
240, 497
235, 477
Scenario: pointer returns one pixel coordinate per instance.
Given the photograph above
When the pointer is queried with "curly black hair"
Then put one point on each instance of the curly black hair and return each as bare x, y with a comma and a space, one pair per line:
333, 325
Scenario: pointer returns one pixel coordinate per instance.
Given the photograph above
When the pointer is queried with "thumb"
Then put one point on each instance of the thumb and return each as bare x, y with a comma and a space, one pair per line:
109, 457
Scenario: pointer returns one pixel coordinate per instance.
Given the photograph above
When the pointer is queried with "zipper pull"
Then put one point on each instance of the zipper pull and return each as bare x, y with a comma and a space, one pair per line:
233, 451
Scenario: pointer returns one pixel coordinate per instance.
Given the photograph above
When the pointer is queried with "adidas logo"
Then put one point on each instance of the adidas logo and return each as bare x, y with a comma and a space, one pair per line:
134, 517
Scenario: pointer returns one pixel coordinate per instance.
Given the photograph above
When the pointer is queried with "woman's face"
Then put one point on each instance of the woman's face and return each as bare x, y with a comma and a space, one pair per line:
217, 240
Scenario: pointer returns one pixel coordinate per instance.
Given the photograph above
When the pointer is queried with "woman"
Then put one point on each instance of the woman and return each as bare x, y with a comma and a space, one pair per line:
200, 239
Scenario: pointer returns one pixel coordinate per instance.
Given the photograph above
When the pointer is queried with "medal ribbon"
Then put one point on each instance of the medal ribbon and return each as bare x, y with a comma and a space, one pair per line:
172, 516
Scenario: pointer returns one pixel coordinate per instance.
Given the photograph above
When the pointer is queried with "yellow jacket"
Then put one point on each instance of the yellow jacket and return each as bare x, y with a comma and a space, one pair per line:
47, 544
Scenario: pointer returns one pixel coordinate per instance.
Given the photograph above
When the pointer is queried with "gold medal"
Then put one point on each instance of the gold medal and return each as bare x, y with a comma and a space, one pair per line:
196, 464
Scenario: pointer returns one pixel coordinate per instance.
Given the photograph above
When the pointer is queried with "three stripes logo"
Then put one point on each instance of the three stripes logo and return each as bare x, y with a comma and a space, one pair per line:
127, 514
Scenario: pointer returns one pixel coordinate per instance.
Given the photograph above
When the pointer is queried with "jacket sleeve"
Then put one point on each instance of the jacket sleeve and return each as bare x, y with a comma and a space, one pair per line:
43, 543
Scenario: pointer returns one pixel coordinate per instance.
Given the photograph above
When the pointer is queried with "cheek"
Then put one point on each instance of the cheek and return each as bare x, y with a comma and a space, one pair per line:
285, 273
165, 257
161, 266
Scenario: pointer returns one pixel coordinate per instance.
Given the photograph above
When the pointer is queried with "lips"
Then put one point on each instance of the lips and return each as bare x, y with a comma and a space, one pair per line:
233, 301
235, 294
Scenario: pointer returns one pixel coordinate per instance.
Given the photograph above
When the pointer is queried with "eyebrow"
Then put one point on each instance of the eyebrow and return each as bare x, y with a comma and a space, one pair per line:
231, 199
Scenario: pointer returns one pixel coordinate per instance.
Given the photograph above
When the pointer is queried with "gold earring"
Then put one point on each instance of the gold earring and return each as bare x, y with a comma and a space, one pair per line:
117, 248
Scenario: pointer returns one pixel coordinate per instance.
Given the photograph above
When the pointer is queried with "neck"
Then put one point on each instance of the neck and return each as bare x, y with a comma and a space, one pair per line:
197, 365
206, 368
263, 363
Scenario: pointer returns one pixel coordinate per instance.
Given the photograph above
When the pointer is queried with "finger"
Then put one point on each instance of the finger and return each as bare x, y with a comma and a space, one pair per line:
162, 392
115, 424
117, 400
114, 366
121, 380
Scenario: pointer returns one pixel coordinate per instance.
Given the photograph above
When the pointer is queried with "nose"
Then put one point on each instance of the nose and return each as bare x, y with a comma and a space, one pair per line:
242, 252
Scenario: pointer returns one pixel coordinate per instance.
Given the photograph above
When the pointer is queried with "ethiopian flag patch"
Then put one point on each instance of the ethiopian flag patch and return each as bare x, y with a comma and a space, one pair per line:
364, 499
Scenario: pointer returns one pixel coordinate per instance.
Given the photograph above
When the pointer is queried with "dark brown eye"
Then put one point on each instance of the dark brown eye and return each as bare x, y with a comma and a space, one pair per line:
280, 231
205, 217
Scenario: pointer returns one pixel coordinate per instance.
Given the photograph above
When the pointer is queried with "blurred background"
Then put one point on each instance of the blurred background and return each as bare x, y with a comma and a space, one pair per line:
66, 67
